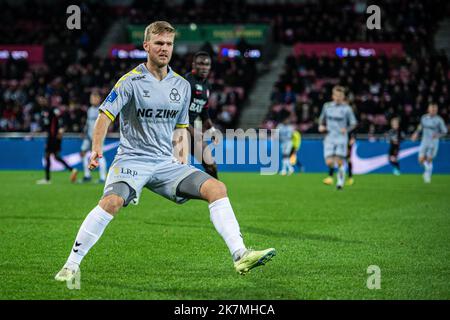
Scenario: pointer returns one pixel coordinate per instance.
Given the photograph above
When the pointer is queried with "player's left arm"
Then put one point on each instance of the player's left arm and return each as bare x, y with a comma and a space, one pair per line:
442, 129
351, 121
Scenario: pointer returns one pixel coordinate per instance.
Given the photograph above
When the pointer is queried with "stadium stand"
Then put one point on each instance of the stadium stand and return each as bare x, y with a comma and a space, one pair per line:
379, 87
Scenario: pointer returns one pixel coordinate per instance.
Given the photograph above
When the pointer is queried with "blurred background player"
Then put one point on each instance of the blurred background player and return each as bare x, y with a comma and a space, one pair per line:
296, 143
286, 131
395, 136
92, 114
351, 142
432, 127
198, 109
337, 119
53, 125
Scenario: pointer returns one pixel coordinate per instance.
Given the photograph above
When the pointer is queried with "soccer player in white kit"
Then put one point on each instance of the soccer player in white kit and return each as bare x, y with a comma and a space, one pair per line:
337, 119
152, 101
286, 131
91, 117
432, 127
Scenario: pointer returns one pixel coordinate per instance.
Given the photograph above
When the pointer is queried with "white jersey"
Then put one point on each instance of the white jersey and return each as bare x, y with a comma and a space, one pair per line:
150, 110
336, 117
431, 126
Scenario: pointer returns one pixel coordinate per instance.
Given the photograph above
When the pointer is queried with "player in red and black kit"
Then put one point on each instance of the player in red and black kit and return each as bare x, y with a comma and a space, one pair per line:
351, 142
52, 124
198, 108
395, 136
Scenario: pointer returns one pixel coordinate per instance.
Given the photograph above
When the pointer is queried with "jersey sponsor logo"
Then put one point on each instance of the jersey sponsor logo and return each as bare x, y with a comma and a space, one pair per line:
157, 113
138, 78
112, 96
146, 94
124, 171
174, 95
335, 118
122, 79
195, 107
198, 87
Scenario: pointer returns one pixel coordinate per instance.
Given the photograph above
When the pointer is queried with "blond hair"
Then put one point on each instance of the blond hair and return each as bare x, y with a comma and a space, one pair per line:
158, 27
339, 89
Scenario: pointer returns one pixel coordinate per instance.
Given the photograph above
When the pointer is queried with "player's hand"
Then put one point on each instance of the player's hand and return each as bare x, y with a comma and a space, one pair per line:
414, 136
344, 130
93, 159
322, 128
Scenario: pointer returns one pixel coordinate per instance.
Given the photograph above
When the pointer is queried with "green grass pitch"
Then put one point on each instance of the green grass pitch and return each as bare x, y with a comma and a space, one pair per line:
325, 239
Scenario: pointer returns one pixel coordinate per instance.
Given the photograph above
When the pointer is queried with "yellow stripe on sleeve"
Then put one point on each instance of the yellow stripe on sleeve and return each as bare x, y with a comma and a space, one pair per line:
108, 114
180, 126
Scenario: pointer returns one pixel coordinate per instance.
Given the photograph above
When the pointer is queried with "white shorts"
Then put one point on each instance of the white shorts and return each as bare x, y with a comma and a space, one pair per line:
286, 148
429, 149
331, 149
162, 177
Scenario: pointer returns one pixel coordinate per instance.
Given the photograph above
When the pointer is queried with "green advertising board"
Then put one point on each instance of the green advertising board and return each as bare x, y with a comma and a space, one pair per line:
214, 33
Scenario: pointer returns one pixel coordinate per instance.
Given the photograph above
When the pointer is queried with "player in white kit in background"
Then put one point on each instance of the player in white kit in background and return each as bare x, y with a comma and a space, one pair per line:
432, 127
286, 130
86, 146
153, 101
337, 120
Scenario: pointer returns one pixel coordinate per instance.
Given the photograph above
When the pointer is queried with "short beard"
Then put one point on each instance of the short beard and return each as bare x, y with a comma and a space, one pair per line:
157, 63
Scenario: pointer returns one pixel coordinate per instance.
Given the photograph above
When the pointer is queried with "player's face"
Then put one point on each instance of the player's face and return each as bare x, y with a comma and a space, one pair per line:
202, 66
338, 96
95, 99
394, 124
160, 48
433, 109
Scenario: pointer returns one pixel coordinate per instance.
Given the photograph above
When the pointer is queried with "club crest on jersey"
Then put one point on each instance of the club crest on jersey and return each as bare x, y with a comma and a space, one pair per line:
146, 94
174, 96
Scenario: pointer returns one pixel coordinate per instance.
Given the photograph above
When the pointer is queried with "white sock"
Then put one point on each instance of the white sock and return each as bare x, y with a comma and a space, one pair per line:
429, 169
224, 220
341, 176
102, 168
87, 172
90, 231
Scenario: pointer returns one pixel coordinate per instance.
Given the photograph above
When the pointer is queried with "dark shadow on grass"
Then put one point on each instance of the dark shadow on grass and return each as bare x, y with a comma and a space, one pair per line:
297, 235
179, 225
31, 217
219, 292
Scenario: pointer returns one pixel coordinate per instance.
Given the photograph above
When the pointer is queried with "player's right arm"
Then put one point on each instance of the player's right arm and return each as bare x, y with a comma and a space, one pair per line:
109, 109
100, 129
416, 133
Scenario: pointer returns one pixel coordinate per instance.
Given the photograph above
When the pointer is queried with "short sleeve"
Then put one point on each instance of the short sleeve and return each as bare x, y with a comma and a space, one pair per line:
183, 118
117, 99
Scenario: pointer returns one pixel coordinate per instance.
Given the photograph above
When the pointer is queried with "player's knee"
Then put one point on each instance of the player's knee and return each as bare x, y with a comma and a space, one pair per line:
111, 203
213, 190
329, 162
